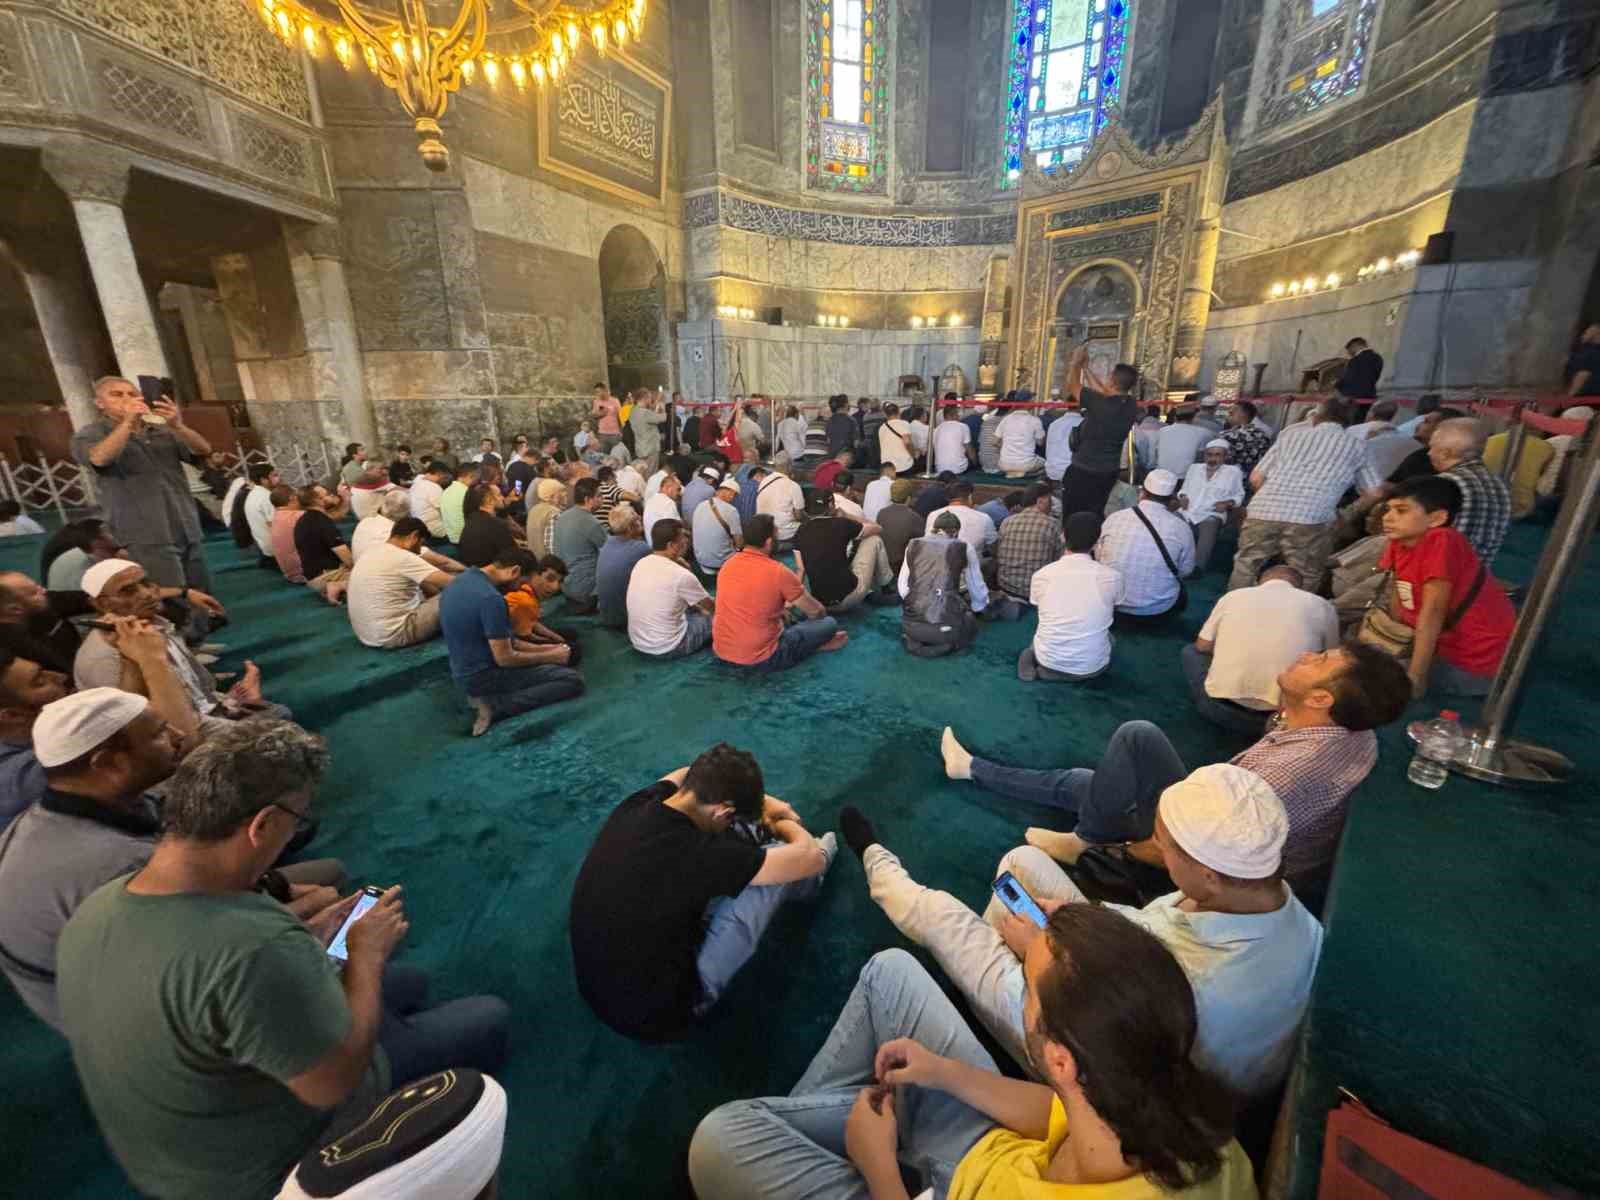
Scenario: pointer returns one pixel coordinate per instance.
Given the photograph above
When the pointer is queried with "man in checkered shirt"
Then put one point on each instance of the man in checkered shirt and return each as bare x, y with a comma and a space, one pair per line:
1317, 750
1456, 452
1298, 484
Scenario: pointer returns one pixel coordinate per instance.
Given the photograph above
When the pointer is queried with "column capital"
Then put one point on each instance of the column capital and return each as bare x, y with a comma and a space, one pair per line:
87, 170
319, 239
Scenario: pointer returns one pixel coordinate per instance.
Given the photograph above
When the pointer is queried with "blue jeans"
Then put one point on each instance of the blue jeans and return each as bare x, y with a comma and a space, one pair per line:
798, 643
418, 1040
696, 635
1115, 802
512, 690
793, 1146
1226, 713
735, 924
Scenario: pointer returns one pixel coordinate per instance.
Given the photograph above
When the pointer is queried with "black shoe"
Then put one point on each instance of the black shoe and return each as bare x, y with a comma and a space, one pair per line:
858, 831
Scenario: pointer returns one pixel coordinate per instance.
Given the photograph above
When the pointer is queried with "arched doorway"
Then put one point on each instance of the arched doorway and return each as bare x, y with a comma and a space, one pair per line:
633, 297
1098, 305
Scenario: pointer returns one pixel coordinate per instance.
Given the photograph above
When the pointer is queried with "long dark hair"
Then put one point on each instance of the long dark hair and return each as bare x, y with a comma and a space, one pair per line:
1117, 999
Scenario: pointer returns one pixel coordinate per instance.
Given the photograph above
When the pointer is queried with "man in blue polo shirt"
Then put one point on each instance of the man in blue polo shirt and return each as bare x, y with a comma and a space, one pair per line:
501, 674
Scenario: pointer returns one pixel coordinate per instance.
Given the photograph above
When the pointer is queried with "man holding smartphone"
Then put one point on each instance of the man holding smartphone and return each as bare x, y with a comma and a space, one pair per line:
137, 451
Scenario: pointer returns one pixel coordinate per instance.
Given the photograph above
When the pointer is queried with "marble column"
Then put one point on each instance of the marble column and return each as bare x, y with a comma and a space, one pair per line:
95, 179
992, 327
65, 312
1194, 310
316, 260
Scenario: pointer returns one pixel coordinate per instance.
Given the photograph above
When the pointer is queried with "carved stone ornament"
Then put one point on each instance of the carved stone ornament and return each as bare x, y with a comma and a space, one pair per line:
1115, 153
87, 170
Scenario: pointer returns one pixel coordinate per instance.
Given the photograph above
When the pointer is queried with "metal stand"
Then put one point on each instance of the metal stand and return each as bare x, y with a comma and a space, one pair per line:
1492, 754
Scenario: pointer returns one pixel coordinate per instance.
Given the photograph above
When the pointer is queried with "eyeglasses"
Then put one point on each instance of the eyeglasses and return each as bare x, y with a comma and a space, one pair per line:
302, 821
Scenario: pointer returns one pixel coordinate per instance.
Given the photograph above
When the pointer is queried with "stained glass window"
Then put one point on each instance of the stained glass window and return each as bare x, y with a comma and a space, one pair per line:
847, 102
1318, 54
1065, 76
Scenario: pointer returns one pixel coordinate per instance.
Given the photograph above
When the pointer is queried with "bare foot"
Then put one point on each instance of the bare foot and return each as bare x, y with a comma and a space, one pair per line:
957, 762
335, 594
483, 719
1063, 847
836, 642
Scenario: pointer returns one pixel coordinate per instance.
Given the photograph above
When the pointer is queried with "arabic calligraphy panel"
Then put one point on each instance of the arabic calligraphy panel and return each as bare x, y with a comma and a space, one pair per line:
606, 123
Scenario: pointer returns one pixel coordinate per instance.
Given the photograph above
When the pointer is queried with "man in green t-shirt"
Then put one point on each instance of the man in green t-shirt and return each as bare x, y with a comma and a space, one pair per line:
214, 1037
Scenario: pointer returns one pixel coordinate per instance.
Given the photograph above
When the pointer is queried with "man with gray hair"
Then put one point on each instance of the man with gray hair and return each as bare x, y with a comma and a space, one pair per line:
376, 530
213, 1039
1456, 452
136, 454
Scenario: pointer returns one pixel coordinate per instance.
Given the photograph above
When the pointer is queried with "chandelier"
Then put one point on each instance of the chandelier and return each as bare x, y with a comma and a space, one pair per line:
423, 59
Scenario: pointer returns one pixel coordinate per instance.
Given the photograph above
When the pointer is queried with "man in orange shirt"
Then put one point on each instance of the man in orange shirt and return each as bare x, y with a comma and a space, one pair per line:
753, 591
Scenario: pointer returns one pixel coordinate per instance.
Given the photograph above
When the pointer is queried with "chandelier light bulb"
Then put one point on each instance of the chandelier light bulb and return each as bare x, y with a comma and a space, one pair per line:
598, 32
371, 57
916, 322
619, 31
538, 71
953, 320
1332, 280
342, 51
1310, 285
468, 70
1383, 266
397, 51
844, 322
1278, 290
572, 37
308, 35
1294, 288
285, 26
491, 71
519, 74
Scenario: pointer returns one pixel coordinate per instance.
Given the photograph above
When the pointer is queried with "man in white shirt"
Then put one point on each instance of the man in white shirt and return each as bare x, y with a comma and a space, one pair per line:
1211, 490
1152, 590
1380, 419
669, 612
653, 484
1058, 445
1076, 598
258, 510
879, 493
393, 596
379, 527
952, 444
894, 439
782, 499
1178, 444
426, 491
1252, 636
792, 435
919, 434
1020, 433
977, 528
630, 479
662, 505
847, 498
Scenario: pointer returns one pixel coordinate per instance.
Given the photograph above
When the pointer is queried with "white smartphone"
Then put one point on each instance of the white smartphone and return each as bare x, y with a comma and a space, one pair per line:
369, 896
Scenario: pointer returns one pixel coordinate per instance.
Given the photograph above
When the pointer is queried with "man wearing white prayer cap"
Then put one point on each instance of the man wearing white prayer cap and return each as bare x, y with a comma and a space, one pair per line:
1248, 946
1153, 549
1211, 490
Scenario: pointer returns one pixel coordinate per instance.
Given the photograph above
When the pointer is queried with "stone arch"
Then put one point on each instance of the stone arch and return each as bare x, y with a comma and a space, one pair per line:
1101, 300
633, 298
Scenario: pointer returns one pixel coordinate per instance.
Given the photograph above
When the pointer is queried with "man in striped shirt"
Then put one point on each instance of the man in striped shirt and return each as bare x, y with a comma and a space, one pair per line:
1318, 749
1298, 485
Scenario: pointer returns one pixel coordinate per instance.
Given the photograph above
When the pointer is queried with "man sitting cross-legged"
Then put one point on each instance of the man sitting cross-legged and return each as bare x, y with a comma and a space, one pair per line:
501, 674
754, 591
1317, 751
1250, 637
101, 753
669, 612
120, 588
842, 557
678, 888
213, 1039
903, 1086
938, 619
394, 591
1248, 946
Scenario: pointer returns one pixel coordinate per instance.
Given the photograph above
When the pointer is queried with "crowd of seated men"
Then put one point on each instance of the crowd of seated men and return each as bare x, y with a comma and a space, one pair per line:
155, 895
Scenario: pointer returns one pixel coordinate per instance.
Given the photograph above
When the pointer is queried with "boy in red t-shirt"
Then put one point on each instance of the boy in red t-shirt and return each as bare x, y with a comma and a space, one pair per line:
1462, 617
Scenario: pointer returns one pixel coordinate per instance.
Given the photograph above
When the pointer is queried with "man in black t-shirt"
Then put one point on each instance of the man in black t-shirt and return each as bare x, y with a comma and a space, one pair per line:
1098, 443
678, 888
485, 534
324, 554
1360, 378
835, 574
401, 470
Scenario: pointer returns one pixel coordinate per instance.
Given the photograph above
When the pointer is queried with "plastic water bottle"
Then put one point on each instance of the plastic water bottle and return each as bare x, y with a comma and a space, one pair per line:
1437, 743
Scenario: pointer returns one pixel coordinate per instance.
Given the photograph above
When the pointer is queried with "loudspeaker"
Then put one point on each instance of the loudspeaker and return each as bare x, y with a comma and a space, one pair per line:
774, 316
1440, 248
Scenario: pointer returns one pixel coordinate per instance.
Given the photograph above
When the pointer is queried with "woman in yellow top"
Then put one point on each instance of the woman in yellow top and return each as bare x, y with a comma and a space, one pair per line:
902, 1087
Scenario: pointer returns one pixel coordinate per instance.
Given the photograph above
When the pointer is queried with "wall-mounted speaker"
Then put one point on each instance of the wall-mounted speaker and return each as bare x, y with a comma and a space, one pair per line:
1441, 248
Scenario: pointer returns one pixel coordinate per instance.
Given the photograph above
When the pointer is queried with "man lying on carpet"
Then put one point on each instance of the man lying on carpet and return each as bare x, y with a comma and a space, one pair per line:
122, 589
903, 1087
1317, 750
501, 673
101, 753
1248, 946
678, 888
213, 1041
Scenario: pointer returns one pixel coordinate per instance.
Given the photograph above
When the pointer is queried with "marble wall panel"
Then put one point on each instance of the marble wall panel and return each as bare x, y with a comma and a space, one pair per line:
406, 375
394, 269
463, 419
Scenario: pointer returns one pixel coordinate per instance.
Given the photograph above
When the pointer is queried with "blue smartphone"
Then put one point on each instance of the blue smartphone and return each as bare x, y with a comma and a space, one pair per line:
1015, 897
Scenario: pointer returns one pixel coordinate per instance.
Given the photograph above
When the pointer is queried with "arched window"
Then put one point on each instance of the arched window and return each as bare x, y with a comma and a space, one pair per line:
1065, 77
847, 95
1312, 54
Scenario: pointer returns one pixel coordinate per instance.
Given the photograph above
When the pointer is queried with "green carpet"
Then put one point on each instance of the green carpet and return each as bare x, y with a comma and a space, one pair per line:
487, 836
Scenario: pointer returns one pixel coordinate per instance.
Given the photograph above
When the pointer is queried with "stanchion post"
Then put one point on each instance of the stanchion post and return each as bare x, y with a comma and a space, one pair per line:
1491, 753
1516, 438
